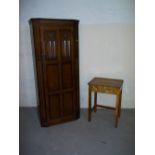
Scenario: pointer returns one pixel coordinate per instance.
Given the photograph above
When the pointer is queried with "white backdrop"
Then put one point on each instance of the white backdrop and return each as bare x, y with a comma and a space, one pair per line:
106, 44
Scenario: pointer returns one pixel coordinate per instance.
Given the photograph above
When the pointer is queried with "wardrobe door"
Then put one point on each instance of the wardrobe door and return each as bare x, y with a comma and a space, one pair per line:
68, 69
51, 73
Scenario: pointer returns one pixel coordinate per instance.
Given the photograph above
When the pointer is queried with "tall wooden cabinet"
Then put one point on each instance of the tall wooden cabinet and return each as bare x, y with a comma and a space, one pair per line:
57, 69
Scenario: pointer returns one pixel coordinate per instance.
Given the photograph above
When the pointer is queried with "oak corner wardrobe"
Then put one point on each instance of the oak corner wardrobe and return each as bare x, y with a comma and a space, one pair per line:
56, 55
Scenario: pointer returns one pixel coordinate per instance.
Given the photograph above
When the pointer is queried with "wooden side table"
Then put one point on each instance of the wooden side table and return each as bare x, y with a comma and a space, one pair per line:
105, 85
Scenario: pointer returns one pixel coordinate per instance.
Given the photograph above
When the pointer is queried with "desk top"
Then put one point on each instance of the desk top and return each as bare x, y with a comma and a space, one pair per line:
98, 81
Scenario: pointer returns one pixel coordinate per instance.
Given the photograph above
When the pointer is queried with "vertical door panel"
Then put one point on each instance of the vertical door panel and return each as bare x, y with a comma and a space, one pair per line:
50, 44
67, 76
54, 107
68, 104
66, 44
52, 72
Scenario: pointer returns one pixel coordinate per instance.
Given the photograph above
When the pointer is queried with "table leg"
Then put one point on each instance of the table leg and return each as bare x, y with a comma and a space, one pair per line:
95, 101
120, 100
89, 104
117, 110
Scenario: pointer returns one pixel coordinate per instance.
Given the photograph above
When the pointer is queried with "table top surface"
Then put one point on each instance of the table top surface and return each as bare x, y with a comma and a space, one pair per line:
107, 82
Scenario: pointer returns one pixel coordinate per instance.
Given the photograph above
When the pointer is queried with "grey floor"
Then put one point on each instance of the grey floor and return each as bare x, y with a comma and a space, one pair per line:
99, 137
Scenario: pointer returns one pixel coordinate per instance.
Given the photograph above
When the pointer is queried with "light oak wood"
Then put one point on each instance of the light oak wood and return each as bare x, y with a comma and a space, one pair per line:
108, 86
107, 107
95, 101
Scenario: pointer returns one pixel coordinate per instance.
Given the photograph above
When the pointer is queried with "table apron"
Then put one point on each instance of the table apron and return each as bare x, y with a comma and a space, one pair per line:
103, 89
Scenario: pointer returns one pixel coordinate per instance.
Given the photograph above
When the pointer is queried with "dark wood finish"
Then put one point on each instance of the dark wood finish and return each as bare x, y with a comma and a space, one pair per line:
105, 85
57, 67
